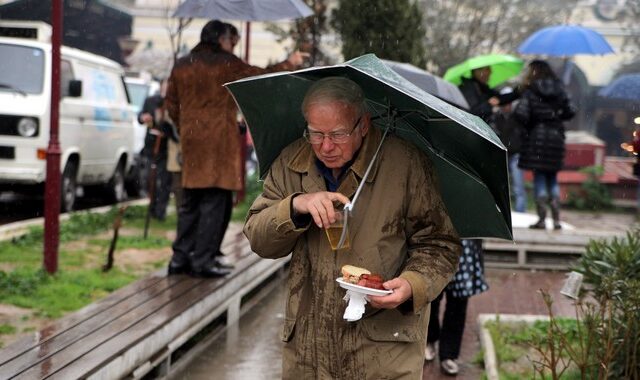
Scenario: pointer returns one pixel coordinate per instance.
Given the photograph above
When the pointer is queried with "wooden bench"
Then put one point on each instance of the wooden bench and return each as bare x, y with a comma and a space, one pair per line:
137, 327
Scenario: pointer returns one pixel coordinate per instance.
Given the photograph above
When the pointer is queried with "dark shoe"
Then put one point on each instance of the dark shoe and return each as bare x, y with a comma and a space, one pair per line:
557, 226
223, 263
538, 226
211, 271
175, 269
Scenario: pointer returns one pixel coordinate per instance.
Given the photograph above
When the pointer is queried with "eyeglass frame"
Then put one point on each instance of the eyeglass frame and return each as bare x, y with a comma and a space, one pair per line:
331, 135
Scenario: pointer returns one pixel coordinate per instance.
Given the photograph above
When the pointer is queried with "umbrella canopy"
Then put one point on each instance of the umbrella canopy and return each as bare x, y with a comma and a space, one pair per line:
564, 41
430, 83
470, 159
244, 10
503, 67
625, 87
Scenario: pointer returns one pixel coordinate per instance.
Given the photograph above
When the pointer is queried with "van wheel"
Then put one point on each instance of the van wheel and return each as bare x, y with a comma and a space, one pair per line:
115, 188
68, 187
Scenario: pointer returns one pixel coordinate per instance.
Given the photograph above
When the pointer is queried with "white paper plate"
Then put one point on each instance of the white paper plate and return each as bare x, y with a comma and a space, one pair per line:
362, 289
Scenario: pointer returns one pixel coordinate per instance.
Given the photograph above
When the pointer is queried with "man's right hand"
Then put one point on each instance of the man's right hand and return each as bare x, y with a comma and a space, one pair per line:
147, 119
297, 58
320, 206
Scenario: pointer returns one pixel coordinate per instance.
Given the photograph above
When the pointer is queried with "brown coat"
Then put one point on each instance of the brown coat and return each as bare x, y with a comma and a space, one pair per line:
206, 116
399, 228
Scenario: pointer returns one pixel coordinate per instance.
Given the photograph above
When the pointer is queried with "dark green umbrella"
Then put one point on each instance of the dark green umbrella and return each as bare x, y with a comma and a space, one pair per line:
470, 159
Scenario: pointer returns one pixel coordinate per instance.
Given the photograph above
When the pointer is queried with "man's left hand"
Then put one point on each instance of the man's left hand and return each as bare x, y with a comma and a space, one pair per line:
401, 292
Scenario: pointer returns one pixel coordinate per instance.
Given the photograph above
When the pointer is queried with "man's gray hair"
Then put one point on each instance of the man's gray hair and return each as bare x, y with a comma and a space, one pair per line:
337, 89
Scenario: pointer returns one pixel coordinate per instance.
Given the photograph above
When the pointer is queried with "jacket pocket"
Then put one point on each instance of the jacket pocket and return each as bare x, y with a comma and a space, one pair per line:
393, 326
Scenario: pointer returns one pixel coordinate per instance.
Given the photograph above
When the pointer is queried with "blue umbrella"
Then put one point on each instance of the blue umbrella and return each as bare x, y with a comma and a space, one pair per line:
625, 87
565, 40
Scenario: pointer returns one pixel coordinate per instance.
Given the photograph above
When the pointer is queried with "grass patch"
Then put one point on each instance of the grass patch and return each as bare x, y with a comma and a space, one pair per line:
134, 242
53, 295
514, 347
7, 329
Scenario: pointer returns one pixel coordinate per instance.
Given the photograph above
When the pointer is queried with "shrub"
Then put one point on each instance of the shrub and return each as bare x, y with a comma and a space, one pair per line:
593, 195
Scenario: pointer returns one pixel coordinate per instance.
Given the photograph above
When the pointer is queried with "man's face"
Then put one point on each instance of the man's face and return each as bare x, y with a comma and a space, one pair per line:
331, 117
228, 42
482, 74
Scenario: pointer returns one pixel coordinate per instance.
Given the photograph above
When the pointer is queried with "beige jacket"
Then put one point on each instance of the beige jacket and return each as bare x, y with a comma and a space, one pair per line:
399, 228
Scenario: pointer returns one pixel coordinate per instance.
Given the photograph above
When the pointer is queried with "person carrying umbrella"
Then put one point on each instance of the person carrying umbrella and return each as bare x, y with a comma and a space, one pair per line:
480, 96
444, 339
206, 118
402, 231
543, 107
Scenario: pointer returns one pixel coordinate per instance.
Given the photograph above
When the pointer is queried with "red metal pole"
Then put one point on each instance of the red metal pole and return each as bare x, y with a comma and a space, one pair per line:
247, 42
52, 185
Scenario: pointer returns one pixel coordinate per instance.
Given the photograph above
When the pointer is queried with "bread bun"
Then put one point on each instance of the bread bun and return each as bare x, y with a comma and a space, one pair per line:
351, 273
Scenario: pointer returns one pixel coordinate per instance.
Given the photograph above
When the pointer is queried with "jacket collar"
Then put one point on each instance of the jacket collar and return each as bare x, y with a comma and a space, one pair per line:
303, 161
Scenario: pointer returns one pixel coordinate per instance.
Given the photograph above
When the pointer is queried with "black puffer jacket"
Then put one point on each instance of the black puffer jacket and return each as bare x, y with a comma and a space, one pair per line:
543, 107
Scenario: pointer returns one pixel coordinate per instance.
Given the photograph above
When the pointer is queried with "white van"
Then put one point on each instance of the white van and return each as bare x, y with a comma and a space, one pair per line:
96, 120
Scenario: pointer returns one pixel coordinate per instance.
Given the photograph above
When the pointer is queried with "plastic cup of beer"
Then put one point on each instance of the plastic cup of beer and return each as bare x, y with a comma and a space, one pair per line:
334, 232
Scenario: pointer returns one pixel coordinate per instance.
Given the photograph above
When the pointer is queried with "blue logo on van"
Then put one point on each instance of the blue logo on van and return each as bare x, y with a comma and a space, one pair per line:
103, 91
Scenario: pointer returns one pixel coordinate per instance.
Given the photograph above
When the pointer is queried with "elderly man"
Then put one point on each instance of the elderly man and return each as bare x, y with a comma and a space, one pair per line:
399, 229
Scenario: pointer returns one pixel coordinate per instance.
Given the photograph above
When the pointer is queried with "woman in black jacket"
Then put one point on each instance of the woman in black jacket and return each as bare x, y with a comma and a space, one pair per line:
543, 107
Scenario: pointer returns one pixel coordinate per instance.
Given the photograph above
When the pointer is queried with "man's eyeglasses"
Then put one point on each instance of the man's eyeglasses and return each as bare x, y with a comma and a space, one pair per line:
339, 137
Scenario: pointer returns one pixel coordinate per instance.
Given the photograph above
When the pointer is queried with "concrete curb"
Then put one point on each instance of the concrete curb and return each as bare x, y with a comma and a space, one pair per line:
490, 358
17, 229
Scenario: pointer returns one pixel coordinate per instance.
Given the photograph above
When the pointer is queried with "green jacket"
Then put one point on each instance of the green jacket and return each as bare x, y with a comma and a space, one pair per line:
399, 228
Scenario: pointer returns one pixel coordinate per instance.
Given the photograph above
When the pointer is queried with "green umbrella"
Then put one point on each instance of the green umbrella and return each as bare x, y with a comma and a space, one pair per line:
503, 67
470, 159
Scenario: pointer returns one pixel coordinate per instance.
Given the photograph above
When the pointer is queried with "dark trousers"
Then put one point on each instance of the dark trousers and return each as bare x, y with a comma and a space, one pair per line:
202, 221
450, 332
162, 189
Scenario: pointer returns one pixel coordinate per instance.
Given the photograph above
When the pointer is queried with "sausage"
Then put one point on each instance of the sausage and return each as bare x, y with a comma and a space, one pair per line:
368, 283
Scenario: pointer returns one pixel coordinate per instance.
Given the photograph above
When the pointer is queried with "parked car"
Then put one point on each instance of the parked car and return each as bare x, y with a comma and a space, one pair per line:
96, 120
139, 86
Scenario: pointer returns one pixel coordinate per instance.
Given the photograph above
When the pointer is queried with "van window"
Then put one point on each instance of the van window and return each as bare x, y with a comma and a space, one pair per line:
66, 75
138, 92
22, 69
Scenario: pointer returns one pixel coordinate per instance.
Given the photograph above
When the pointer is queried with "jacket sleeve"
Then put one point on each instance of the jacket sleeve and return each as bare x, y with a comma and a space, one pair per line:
433, 244
269, 226
147, 107
567, 109
243, 70
522, 113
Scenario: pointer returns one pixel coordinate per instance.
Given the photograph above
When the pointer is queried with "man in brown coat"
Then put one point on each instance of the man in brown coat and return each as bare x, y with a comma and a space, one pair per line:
399, 229
206, 117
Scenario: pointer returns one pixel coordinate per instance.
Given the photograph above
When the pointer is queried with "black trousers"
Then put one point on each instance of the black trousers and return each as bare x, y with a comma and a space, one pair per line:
202, 222
450, 332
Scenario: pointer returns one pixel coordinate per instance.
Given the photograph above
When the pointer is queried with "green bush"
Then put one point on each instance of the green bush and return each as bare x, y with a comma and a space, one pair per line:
605, 341
593, 195
612, 271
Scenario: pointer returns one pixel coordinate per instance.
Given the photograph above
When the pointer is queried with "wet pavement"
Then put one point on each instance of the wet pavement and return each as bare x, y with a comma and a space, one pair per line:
251, 349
